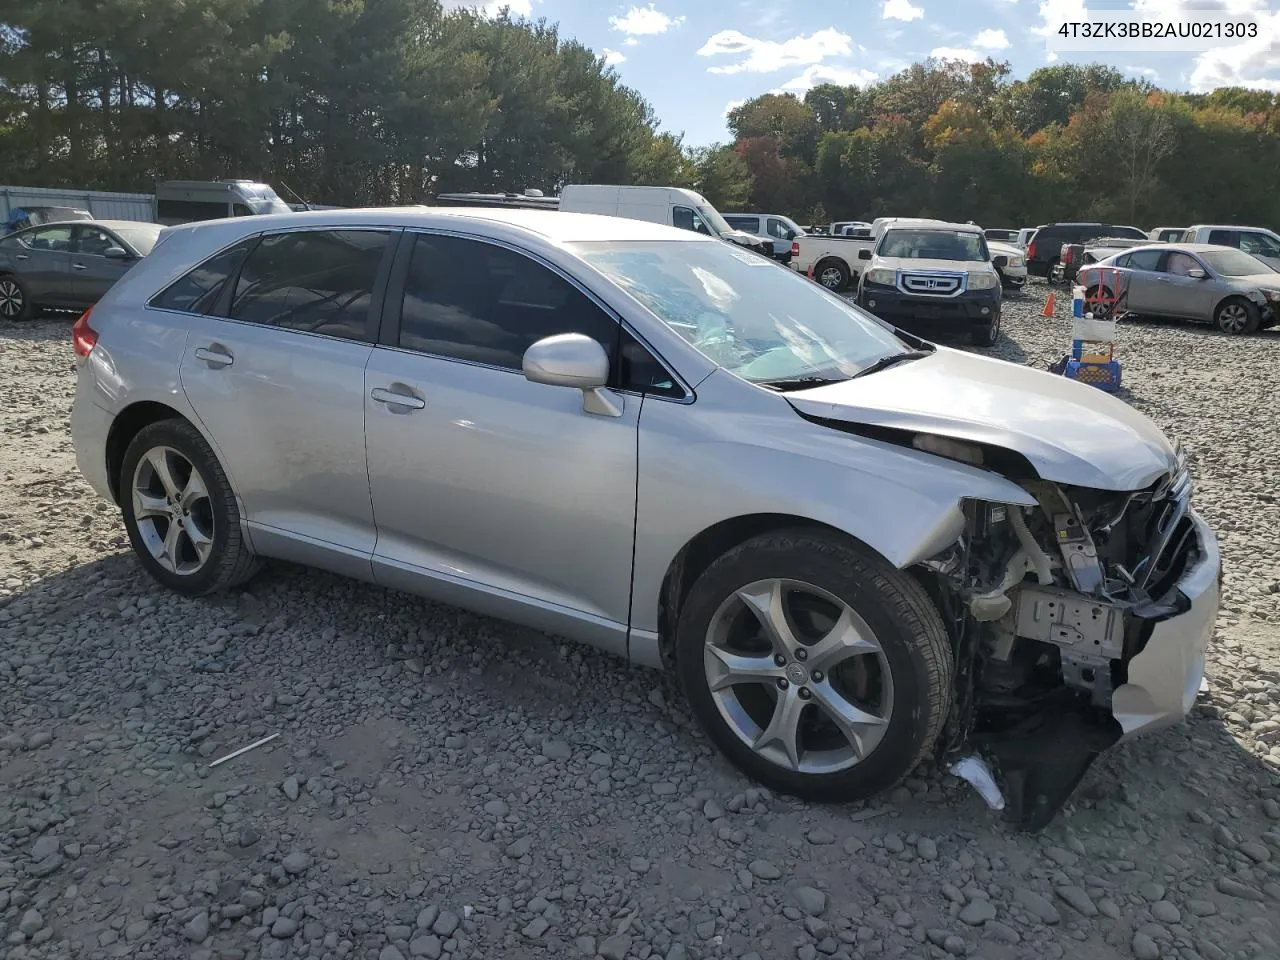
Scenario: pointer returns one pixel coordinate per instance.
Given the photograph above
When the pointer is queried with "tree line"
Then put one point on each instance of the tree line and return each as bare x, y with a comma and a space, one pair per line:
390, 101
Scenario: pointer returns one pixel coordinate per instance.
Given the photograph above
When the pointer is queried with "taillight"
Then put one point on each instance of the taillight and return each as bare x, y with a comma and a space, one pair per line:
1066, 254
1031, 250
83, 336
795, 248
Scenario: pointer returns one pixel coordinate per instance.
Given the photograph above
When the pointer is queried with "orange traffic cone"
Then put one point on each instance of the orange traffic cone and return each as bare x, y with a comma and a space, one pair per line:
809, 272
1050, 305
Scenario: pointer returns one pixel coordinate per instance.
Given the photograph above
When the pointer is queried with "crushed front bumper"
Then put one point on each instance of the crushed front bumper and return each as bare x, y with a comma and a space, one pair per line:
1165, 677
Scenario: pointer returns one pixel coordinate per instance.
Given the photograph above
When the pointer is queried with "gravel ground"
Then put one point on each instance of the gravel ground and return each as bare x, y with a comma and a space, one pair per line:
447, 785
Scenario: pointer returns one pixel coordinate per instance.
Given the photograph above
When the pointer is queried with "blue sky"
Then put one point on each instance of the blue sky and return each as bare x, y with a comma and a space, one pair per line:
692, 59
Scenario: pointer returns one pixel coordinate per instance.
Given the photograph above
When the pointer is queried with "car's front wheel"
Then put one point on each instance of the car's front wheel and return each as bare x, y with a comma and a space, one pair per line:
180, 512
816, 667
1236, 316
988, 335
832, 274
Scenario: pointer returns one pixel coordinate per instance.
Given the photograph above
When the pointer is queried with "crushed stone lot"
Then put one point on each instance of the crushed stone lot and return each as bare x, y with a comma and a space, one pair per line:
446, 785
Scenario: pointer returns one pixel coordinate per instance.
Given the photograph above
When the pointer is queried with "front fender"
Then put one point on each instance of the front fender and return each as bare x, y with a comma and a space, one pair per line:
701, 465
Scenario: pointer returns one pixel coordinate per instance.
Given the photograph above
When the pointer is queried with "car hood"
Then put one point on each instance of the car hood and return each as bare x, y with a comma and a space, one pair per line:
998, 247
1070, 432
1263, 281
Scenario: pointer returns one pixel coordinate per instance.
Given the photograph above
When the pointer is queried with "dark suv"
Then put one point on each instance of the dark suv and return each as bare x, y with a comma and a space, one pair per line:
1045, 245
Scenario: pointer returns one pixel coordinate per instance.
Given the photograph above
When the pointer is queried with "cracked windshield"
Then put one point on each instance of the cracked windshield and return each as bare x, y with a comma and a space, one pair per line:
756, 320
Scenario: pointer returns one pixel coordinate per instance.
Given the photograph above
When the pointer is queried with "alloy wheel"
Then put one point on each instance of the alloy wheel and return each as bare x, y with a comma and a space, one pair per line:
1233, 318
831, 278
11, 299
173, 511
798, 676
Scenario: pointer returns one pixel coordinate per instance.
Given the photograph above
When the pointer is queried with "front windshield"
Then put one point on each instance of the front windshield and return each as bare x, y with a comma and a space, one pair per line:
262, 199
1234, 263
933, 245
141, 237
711, 216
758, 320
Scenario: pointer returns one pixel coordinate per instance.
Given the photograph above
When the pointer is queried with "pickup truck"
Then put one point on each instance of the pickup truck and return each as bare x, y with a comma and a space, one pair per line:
833, 259
1258, 241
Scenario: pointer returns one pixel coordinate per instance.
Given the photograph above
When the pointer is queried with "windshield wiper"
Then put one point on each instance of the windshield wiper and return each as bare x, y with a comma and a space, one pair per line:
890, 360
796, 383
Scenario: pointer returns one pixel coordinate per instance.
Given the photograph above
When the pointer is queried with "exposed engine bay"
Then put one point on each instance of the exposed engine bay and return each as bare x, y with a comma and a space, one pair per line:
1047, 606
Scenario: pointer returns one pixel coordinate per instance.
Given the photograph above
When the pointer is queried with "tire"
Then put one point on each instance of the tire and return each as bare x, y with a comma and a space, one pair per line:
1101, 311
987, 336
815, 574
207, 511
1236, 316
15, 302
832, 274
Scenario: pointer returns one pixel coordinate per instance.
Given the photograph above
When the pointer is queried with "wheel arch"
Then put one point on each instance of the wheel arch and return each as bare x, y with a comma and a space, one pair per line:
707, 545
128, 423
839, 261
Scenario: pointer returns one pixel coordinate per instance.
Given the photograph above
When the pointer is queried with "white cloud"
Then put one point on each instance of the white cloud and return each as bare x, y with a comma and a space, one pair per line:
1054, 13
1254, 63
1144, 72
491, 8
612, 57
644, 21
630, 42
991, 40
766, 56
901, 10
823, 73
956, 53
731, 106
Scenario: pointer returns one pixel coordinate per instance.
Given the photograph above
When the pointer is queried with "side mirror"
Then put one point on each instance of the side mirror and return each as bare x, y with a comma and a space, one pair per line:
864, 254
116, 253
1195, 273
1000, 261
573, 360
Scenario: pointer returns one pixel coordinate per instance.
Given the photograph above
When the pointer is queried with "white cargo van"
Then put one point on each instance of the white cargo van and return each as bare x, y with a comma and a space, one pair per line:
674, 206
185, 201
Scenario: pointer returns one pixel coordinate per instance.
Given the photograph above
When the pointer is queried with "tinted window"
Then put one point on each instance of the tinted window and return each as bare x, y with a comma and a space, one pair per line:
749, 224
317, 281
778, 229
240, 210
1145, 259
198, 291
686, 219
642, 372
1225, 238
1131, 232
190, 210
1259, 244
479, 302
93, 242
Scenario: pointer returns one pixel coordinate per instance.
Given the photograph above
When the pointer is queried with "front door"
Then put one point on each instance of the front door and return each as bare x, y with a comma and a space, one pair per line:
491, 491
1176, 293
92, 272
278, 381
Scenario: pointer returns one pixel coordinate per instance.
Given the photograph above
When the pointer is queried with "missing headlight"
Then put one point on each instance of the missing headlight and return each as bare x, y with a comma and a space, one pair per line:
946, 447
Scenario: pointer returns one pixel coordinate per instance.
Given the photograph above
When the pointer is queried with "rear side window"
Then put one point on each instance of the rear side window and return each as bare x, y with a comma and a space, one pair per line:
1224, 238
474, 301
1145, 259
198, 290
1132, 233
190, 210
748, 224
314, 281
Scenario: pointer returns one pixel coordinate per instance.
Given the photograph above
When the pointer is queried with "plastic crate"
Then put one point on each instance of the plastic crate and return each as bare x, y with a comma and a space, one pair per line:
1093, 351
1104, 376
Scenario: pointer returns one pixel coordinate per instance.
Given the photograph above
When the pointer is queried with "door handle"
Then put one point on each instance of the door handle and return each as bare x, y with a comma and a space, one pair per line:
215, 358
395, 399
22, 256
78, 266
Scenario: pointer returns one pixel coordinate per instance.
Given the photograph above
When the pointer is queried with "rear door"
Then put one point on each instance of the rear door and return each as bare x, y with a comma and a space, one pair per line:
277, 378
42, 258
92, 272
1144, 283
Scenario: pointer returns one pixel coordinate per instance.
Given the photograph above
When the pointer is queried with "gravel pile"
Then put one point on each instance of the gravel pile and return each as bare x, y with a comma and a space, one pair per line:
445, 785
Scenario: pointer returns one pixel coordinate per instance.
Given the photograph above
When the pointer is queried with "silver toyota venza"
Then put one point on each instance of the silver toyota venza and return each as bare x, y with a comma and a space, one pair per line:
856, 548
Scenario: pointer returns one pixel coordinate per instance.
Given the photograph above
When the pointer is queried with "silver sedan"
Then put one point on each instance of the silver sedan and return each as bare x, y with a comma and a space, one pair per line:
853, 546
1190, 281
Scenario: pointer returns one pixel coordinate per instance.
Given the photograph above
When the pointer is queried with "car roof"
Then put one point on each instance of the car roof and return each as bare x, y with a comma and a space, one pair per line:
927, 222
554, 225
109, 224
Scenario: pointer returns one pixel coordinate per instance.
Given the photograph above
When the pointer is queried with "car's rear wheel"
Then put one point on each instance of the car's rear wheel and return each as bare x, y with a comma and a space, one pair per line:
813, 665
1098, 302
832, 274
1237, 315
15, 303
180, 512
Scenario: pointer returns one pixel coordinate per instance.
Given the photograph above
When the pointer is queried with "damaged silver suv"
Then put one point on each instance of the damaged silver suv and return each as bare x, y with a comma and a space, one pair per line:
855, 548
